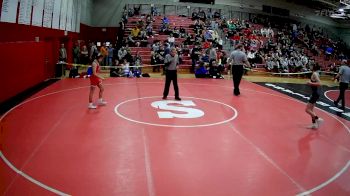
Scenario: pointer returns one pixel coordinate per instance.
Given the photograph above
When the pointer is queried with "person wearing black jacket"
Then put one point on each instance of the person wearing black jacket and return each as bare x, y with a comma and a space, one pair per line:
194, 56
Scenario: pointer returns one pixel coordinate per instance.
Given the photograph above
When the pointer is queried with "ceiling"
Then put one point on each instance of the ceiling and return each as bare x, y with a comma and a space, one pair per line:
330, 8
317, 4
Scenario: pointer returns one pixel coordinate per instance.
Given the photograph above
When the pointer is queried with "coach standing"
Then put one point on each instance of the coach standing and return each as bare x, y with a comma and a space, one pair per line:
171, 61
237, 59
344, 78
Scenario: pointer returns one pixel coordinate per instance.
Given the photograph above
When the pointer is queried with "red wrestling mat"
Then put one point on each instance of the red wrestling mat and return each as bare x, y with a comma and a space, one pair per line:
210, 143
333, 95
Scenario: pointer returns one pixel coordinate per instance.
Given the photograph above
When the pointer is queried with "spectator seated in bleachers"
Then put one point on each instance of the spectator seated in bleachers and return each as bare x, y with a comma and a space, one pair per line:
195, 15
188, 39
143, 34
132, 42
135, 32
122, 53
215, 71
137, 59
126, 72
149, 19
171, 40
154, 11
251, 57
156, 45
165, 20
198, 24
217, 15
137, 71
182, 32
156, 59
202, 15
205, 57
201, 71
130, 12
149, 30
115, 70
176, 32
208, 35
167, 49
206, 44
333, 68
137, 10
329, 52
165, 29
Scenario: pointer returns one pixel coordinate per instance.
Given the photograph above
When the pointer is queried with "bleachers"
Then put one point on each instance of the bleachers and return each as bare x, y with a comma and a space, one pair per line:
145, 52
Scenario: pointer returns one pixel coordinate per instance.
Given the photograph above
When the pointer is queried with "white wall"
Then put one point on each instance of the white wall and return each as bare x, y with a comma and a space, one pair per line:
295, 10
345, 35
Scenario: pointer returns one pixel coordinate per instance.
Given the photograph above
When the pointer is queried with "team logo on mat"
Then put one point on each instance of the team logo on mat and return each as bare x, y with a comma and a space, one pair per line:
177, 109
190, 112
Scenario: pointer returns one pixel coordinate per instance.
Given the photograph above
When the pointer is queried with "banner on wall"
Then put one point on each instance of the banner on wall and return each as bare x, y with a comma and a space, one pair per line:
48, 10
38, 8
63, 15
9, 11
56, 14
69, 15
25, 12
77, 26
74, 15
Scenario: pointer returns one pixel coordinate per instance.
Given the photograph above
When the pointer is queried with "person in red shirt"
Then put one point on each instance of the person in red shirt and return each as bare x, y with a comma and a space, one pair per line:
206, 44
96, 80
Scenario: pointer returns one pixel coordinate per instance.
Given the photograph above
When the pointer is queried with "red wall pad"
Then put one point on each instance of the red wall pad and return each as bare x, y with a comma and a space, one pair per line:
22, 67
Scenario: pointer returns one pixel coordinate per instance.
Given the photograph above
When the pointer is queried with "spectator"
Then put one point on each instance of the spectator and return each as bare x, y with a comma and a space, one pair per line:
214, 71
110, 54
76, 53
201, 71
93, 51
104, 52
126, 69
171, 40
84, 55
62, 54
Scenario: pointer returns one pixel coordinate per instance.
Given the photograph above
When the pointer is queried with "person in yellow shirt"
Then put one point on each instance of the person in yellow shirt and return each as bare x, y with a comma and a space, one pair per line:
104, 53
135, 32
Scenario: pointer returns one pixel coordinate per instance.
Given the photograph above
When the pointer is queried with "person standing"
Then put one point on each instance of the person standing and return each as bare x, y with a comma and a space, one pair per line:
96, 80
84, 55
62, 53
104, 52
110, 54
93, 51
344, 78
314, 83
76, 53
171, 61
237, 61
195, 57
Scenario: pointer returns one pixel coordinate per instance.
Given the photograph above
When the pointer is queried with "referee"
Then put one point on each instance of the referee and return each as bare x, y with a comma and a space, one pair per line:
171, 61
237, 59
344, 79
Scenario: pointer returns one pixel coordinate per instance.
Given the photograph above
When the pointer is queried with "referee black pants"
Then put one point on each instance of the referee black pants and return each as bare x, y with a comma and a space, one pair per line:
171, 75
237, 73
342, 87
